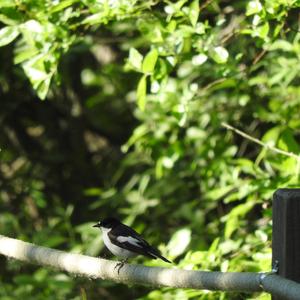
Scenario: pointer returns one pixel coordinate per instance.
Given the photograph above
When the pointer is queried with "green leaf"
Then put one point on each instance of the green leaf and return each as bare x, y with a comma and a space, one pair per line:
219, 55
271, 136
179, 242
38, 75
262, 31
135, 58
253, 7
141, 93
35, 70
94, 19
150, 61
43, 87
8, 34
138, 134
219, 192
62, 5
281, 45
289, 167
287, 142
24, 53
194, 12
199, 59
7, 3
233, 218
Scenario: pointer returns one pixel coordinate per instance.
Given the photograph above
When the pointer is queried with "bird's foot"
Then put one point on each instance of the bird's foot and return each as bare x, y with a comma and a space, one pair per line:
120, 265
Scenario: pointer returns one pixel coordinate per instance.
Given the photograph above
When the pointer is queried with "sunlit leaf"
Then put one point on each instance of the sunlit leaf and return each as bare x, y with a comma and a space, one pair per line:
281, 45
199, 59
179, 242
287, 141
234, 217
8, 34
135, 58
253, 7
38, 75
262, 31
194, 12
141, 92
62, 5
219, 55
272, 135
7, 3
150, 61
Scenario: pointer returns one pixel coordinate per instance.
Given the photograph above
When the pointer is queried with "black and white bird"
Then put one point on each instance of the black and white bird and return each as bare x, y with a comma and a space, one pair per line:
125, 242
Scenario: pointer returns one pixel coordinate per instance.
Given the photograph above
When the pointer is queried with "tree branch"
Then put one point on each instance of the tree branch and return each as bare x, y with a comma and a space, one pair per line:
94, 268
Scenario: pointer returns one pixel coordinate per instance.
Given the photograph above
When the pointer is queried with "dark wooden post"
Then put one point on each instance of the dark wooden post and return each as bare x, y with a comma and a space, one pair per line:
286, 233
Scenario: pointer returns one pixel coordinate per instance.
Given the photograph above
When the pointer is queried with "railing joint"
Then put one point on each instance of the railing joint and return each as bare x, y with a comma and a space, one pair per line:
262, 276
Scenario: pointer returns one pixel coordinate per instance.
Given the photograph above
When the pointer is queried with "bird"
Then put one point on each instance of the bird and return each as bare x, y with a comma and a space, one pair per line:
125, 242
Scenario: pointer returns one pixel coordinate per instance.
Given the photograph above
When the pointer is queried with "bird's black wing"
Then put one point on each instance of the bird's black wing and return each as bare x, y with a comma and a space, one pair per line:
127, 238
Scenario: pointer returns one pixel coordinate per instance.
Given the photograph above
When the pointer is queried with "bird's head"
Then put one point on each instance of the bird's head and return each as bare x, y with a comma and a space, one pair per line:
107, 223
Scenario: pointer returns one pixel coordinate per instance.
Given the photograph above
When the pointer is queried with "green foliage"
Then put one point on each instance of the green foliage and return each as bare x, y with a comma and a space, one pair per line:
135, 94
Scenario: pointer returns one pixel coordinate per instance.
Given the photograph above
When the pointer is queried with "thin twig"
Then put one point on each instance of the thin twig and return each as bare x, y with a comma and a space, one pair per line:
259, 142
211, 84
205, 4
227, 37
259, 57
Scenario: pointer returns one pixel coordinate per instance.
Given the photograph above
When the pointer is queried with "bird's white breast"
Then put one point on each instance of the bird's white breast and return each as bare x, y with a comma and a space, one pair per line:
116, 250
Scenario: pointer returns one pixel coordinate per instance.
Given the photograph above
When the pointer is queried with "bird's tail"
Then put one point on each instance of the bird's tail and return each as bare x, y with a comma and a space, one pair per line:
164, 259
155, 254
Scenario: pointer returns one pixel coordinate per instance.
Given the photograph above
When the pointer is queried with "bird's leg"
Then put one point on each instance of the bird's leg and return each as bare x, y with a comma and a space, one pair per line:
120, 264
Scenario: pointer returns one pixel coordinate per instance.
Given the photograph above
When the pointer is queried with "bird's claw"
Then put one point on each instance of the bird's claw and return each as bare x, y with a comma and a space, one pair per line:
120, 265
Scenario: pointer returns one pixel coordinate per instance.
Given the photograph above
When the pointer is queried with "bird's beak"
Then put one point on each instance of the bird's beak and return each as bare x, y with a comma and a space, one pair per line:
96, 225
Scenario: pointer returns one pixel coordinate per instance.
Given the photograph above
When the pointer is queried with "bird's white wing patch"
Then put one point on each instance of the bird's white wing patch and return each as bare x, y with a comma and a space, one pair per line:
130, 240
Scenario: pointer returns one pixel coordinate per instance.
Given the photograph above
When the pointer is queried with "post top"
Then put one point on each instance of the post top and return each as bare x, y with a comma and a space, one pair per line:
287, 193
